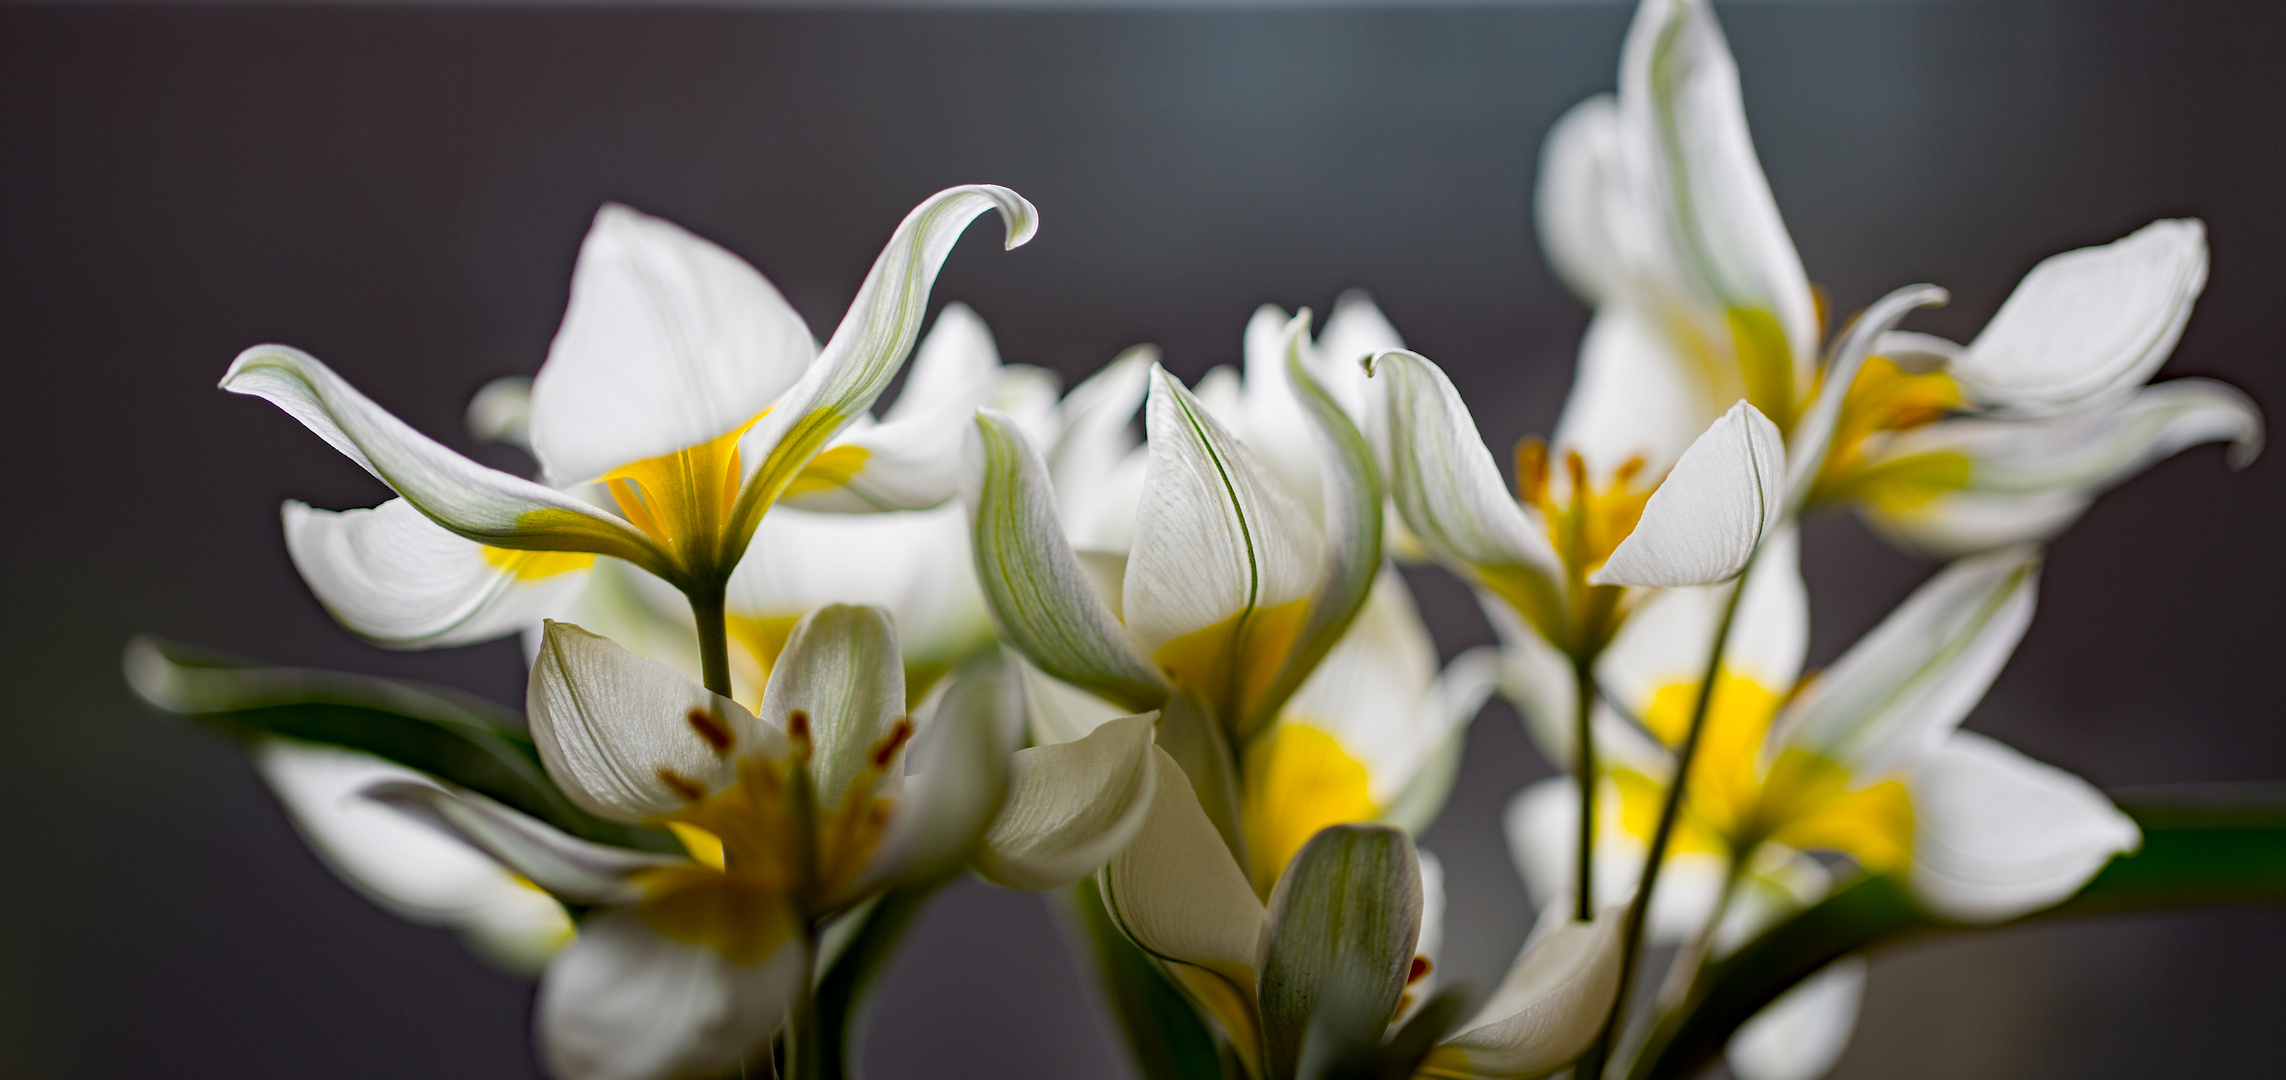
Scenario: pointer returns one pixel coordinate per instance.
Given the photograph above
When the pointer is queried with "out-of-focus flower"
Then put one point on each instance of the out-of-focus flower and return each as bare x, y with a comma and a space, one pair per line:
1864, 761
682, 384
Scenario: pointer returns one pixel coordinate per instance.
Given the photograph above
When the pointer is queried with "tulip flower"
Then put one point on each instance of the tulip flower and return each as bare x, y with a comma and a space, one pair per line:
683, 385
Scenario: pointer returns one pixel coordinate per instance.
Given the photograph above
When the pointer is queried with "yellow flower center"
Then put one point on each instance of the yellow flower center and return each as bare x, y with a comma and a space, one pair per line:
683, 499
1585, 523
1298, 780
1885, 399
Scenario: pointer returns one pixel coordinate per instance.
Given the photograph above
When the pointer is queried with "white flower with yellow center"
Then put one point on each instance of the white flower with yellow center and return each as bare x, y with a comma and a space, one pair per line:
683, 385
1863, 761
790, 819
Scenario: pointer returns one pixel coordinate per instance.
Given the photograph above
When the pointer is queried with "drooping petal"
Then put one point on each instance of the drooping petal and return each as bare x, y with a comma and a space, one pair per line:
842, 673
1997, 834
1219, 547
668, 342
911, 459
959, 778
398, 579
629, 738
1341, 932
1548, 1008
1039, 594
481, 504
1690, 160
576, 870
2090, 323
1632, 398
1902, 688
1801, 1034
404, 865
1448, 490
2023, 479
1580, 200
1176, 892
625, 1003
1072, 806
865, 351
1708, 517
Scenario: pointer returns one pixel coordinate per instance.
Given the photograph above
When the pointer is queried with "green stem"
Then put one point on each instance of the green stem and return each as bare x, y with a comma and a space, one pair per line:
1683, 975
1583, 761
713, 637
802, 1050
1631, 936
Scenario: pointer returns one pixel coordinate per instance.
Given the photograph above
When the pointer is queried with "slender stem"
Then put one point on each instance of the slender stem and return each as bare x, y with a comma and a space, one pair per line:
802, 1050
713, 636
1631, 936
1683, 974
1583, 761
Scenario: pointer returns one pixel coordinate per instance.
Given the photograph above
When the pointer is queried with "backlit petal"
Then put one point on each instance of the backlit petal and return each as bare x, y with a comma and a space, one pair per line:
1666, 641
1997, 834
1176, 892
398, 579
960, 774
842, 671
1632, 398
1550, 1005
1802, 1033
1072, 806
911, 459
1708, 517
624, 1003
1580, 197
566, 866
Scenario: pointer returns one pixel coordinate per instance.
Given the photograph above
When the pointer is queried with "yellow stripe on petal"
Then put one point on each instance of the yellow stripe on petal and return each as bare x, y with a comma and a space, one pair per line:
1885, 398
832, 468
704, 846
1765, 363
1232, 663
683, 499
537, 565
1809, 804
1298, 780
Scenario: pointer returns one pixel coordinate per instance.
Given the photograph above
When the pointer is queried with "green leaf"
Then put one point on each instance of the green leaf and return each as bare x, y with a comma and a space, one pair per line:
2202, 845
1343, 923
1165, 1035
444, 733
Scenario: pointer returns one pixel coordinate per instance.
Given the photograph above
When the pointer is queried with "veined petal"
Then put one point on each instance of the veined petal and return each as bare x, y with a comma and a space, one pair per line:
628, 738
1072, 806
1176, 892
1633, 396
398, 579
1712, 511
624, 1003
576, 870
1801, 1034
1902, 688
1354, 333
1547, 1009
1342, 928
668, 342
1688, 154
1580, 200
501, 412
1038, 593
1444, 483
1997, 834
867, 348
911, 459
481, 504
842, 673
403, 865
1218, 543
2090, 323
961, 774
1093, 435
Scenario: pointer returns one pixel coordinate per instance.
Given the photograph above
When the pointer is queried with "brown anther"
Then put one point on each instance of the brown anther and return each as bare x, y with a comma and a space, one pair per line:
1627, 472
1532, 469
798, 726
1576, 466
1419, 970
684, 786
711, 728
887, 748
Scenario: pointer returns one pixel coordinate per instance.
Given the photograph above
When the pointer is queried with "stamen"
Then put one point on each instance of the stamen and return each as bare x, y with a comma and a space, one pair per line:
798, 728
887, 748
684, 786
711, 728
1627, 472
1532, 470
1576, 466
1419, 970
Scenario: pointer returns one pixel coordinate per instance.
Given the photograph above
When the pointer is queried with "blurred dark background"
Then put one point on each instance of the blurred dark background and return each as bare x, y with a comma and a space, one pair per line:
400, 190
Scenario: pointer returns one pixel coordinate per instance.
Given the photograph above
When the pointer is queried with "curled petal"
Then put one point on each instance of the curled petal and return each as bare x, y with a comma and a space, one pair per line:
1997, 834
1713, 510
624, 1003
398, 579
911, 459
1550, 1005
960, 777
576, 870
1072, 806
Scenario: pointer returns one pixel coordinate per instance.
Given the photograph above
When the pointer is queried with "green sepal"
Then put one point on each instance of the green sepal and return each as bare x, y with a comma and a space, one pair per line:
1343, 923
447, 734
1343, 1044
2201, 845
1165, 1036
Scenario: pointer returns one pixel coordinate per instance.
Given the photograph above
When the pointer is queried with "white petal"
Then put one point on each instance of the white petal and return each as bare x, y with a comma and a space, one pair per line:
668, 342
1802, 1033
1633, 397
628, 738
1058, 712
955, 366
1442, 478
1541, 824
842, 670
873, 339
1372, 692
1072, 806
398, 579
1355, 332
959, 776
1176, 891
1431, 944
576, 870
1094, 436
2089, 323
1712, 511
911, 460
1997, 834
501, 412
1903, 687
1039, 594
1581, 191
1451, 705
1215, 536
916, 564
1550, 1005
1667, 640
402, 864
1812, 440
623, 1003
1536, 678
481, 504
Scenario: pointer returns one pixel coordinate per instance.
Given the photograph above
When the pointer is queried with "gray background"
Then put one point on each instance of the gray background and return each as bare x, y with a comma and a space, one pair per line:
400, 190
